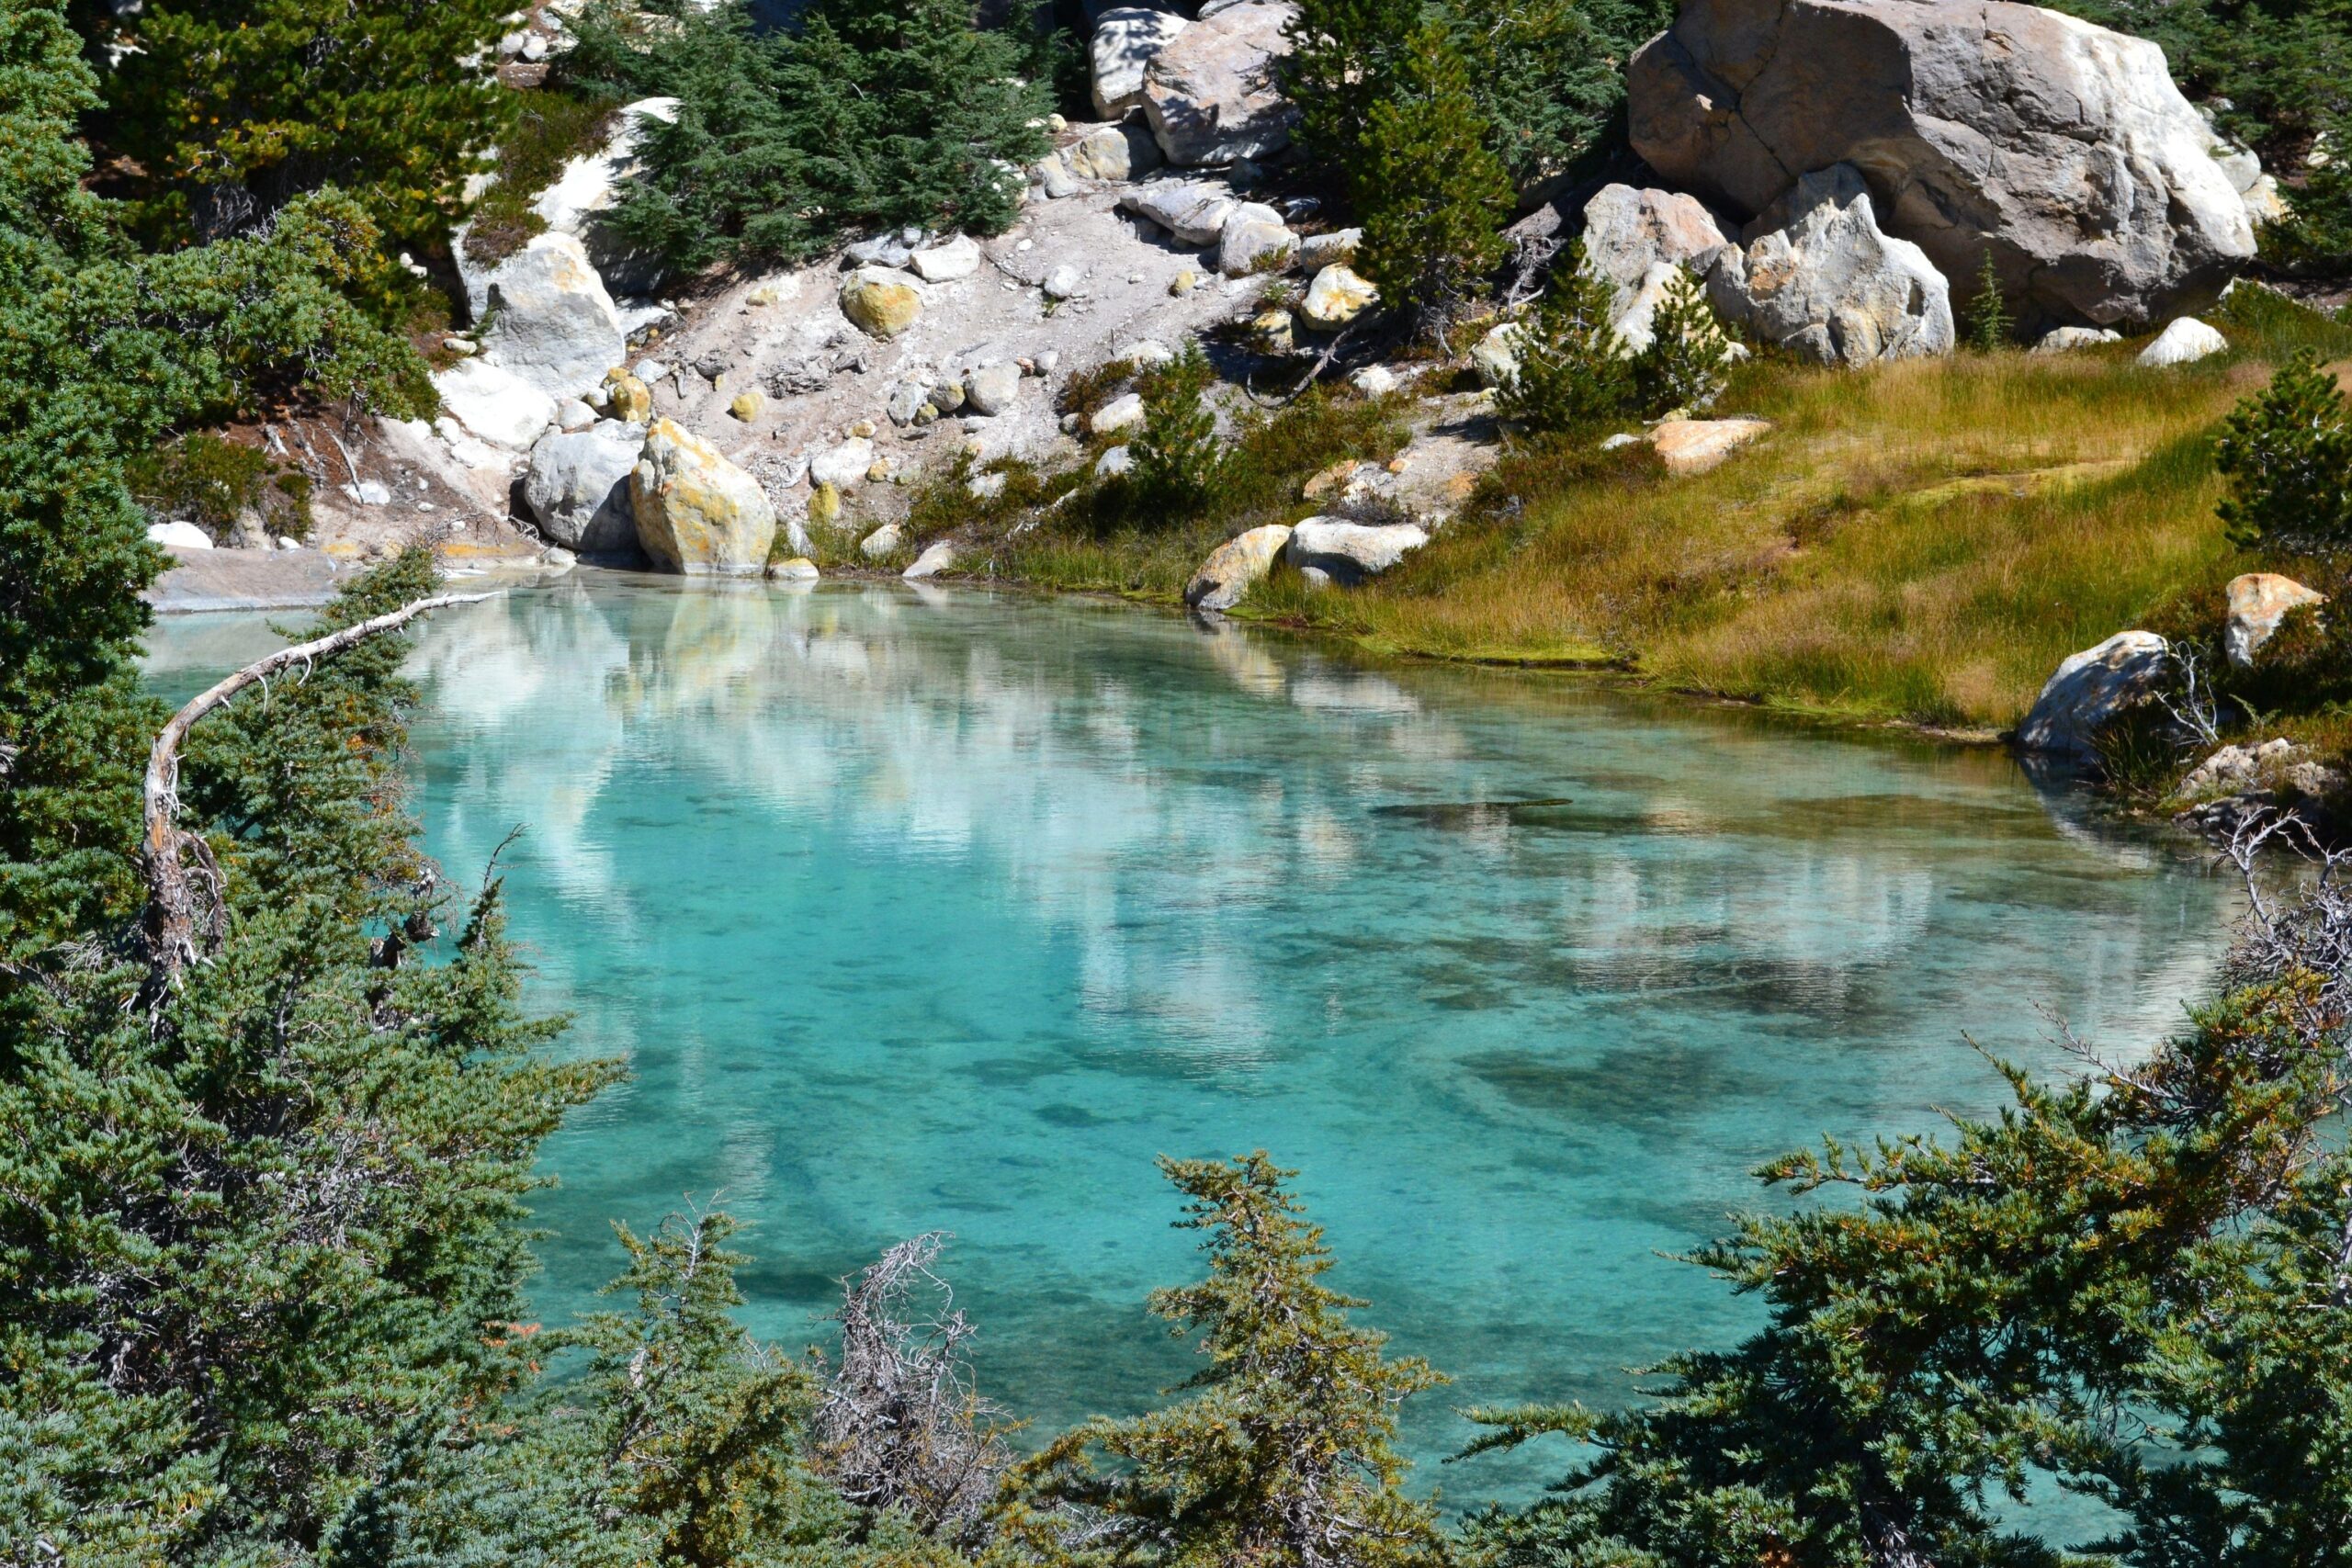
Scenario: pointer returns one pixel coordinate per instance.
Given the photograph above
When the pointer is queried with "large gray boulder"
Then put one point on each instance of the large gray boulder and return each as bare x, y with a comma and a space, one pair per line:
2061, 148
2090, 688
1627, 233
1818, 276
1211, 95
554, 327
1126, 39
577, 488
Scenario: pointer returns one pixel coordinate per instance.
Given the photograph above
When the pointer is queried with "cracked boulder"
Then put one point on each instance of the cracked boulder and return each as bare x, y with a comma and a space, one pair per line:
1818, 276
2062, 149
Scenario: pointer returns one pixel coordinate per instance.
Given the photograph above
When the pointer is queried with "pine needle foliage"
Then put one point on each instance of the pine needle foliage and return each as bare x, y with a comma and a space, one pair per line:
1432, 194
1283, 1456
1684, 366
876, 115
1989, 322
230, 110
1550, 74
1343, 56
1178, 461
1573, 374
2286, 452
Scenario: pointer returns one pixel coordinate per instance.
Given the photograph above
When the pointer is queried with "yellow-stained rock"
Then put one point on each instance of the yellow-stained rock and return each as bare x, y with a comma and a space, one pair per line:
824, 505
631, 400
1691, 446
698, 513
747, 406
2259, 602
1234, 566
1337, 297
880, 309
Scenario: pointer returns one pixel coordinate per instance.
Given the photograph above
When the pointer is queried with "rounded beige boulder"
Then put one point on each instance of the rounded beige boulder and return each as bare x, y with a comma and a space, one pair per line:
1235, 566
698, 513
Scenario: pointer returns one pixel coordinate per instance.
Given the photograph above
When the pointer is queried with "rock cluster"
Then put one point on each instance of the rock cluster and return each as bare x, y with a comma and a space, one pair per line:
2061, 149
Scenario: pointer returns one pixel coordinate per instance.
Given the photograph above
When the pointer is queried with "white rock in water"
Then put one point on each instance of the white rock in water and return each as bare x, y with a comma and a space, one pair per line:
697, 512
555, 327
495, 404
1119, 413
179, 536
1818, 276
1235, 566
936, 557
2184, 342
844, 466
959, 257
1126, 39
1349, 552
2090, 688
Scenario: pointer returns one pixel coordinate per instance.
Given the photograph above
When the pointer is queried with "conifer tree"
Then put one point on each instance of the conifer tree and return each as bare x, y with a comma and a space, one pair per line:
1573, 374
1343, 56
878, 114
2286, 452
1432, 194
1177, 457
232, 108
1684, 365
1989, 322
1285, 1455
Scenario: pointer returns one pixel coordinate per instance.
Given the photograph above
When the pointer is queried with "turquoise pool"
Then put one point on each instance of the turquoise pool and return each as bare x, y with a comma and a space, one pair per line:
951, 910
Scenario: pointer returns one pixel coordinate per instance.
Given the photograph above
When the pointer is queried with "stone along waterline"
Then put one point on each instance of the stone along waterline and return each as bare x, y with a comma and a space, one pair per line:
950, 911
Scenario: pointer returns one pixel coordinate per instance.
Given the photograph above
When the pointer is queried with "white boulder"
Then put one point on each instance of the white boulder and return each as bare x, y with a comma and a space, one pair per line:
1818, 276
1346, 553
2184, 342
2091, 688
1210, 90
577, 488
1126, 39
495, 404
554, 326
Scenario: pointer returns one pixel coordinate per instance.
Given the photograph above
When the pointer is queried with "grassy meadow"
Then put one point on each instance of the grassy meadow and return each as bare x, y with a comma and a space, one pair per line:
1922, 542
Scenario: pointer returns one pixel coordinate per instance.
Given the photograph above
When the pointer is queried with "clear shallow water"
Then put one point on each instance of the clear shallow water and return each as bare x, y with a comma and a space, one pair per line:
951, 910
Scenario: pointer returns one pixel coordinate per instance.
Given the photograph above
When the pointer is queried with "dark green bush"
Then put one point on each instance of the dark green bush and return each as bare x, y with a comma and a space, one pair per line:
2287, 451
877, 115
1178, 461
1573, 374
212, 482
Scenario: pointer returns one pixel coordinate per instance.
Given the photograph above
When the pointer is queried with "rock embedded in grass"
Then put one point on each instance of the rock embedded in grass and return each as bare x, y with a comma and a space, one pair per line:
937, 556
1235, 566
1692, 447
2259, 602
1119, 413
2184, 342
1817, 274
1349, 552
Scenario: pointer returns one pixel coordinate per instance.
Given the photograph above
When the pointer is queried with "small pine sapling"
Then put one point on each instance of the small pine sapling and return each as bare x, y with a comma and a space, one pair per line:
1685, 363
1178, 461
2286, 452
1989, 322
1432, 194
1572, 374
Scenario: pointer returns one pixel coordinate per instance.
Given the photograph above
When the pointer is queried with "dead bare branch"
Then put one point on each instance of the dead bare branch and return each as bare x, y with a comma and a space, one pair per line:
900, 1425
186, 911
